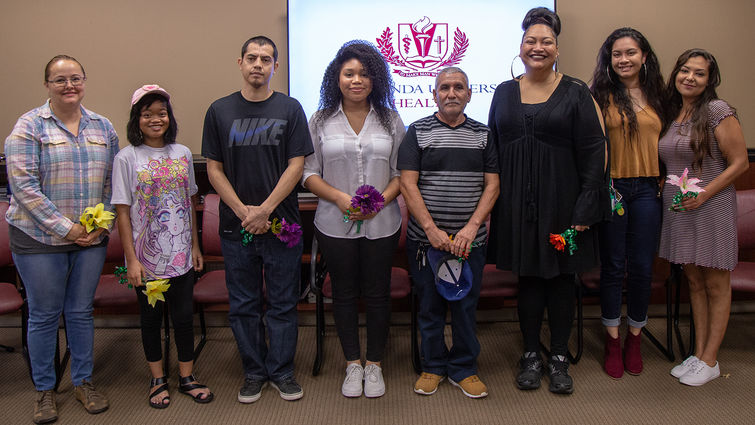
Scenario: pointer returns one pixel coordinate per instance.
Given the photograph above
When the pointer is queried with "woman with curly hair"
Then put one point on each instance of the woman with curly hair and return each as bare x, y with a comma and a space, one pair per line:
700, 233
628, 86
356, 135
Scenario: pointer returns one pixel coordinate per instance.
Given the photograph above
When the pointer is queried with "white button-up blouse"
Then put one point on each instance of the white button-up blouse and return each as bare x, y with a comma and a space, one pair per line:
346, 160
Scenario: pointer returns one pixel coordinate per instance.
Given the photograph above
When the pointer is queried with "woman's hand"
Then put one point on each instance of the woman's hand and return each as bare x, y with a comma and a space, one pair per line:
580, 228
135, 273
343, 202
196, 256
89, 238
692, 203
76, 232
359, 216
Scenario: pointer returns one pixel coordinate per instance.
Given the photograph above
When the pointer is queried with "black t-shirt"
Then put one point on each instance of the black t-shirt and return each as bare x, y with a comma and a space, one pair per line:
254, 141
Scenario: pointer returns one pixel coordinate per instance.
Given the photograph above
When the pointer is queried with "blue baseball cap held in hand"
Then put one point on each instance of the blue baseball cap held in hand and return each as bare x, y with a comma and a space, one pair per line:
453, 278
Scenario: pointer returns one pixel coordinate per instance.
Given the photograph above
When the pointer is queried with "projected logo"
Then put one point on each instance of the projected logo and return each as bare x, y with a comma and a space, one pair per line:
423, 48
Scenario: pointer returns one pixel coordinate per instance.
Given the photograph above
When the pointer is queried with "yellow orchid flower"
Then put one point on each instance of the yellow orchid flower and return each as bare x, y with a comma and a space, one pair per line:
155, 289
96, 217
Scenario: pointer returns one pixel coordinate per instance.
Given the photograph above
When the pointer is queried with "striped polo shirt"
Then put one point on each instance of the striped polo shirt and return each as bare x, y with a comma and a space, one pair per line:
452, 162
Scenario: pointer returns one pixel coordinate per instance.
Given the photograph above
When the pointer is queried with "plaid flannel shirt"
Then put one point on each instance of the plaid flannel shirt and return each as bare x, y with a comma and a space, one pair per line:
55, 175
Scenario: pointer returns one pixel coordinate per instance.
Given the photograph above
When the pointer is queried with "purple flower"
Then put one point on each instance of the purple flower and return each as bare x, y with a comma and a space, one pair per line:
367, 200
289, 233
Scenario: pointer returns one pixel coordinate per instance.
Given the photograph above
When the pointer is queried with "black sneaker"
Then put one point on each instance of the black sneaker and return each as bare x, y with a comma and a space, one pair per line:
288, 388
251, 390
558, 373
530, 371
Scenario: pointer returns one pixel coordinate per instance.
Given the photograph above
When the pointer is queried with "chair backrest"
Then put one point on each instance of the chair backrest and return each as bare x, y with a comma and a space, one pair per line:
211, 226
746, 218
5, 255
114, 247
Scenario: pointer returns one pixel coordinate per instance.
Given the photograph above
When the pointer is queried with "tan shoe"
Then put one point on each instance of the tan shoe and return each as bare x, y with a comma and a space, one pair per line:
472, 387
45, 410
427, 383
93, 401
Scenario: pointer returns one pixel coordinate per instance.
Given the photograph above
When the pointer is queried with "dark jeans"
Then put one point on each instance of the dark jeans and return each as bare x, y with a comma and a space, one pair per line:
557, 294
461, 361
628, 245
244, 266
179, 298
360, 267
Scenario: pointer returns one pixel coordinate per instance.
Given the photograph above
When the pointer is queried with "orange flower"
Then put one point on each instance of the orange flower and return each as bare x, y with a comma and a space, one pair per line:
557, 241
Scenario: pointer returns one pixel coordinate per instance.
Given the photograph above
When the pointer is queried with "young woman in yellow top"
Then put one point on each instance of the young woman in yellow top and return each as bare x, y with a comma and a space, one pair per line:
628, 86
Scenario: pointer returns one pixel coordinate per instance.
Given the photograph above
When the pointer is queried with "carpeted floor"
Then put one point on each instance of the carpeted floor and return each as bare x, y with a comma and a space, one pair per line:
651, 398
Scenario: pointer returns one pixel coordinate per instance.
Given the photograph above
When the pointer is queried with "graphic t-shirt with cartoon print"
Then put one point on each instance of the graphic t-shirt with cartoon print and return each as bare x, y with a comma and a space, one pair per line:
157, 183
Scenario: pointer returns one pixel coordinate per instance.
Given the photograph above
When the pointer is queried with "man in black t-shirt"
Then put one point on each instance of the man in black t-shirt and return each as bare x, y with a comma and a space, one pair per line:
449, 180
255, 141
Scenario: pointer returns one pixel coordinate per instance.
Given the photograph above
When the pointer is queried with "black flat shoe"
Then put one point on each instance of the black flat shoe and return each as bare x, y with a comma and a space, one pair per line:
163, 382
530, 371
187, 384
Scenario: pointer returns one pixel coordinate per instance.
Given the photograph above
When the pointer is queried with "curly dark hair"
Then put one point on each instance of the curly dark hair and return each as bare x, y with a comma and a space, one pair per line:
698, 115
134, 134
606, 83
381, 96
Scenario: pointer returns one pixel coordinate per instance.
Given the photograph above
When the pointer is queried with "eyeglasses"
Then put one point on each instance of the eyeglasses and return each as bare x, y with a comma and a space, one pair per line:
61, 82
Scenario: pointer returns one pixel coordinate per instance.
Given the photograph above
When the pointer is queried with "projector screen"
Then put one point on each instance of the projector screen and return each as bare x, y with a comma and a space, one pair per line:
417, 38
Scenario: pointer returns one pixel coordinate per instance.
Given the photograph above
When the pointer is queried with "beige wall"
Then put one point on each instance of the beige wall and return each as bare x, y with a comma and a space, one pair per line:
190, 47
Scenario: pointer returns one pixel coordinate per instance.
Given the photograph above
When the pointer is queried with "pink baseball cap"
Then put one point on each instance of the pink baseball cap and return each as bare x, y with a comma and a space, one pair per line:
147, 89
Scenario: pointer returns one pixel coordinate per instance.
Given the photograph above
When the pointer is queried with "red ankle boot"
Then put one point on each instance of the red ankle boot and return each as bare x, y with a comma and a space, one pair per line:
633, 354
612, 363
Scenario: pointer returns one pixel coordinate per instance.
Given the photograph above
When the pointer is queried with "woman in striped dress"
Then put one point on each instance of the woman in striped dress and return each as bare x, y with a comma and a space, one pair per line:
705, 137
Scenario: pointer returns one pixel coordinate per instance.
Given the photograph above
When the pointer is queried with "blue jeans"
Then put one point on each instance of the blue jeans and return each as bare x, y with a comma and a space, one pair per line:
461, 361
628, 245
244, 266
62, 283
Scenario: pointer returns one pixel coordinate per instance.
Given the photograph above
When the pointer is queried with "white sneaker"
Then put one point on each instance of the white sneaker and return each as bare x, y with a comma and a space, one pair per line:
700, 374
688, 364
352, 384
374, 386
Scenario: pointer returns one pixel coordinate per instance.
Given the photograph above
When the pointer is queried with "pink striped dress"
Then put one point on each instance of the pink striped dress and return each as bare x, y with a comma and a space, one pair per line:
706, 236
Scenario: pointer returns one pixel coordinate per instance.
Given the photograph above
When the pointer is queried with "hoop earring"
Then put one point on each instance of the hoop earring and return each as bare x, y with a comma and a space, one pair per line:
608, 73
511, 68
644, 69
556, 65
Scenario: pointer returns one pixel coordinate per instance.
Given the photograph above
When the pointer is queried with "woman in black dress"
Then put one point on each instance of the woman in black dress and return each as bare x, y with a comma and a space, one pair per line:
553, 156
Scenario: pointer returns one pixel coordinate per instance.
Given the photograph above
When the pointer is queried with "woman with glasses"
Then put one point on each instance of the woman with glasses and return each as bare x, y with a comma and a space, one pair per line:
59, 158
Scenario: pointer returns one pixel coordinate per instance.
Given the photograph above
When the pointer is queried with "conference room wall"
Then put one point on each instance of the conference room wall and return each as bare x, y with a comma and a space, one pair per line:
190, 47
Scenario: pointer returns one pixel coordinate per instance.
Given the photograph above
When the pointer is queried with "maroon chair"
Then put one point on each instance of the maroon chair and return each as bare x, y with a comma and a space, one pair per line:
111, 294
11, 299
401, 287
210, 288
743, 276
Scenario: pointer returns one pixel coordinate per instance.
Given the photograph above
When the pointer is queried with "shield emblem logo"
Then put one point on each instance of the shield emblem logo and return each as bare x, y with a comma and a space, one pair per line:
423, 44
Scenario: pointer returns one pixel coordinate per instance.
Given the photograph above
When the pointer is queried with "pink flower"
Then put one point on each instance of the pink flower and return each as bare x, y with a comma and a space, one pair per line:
685, 184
